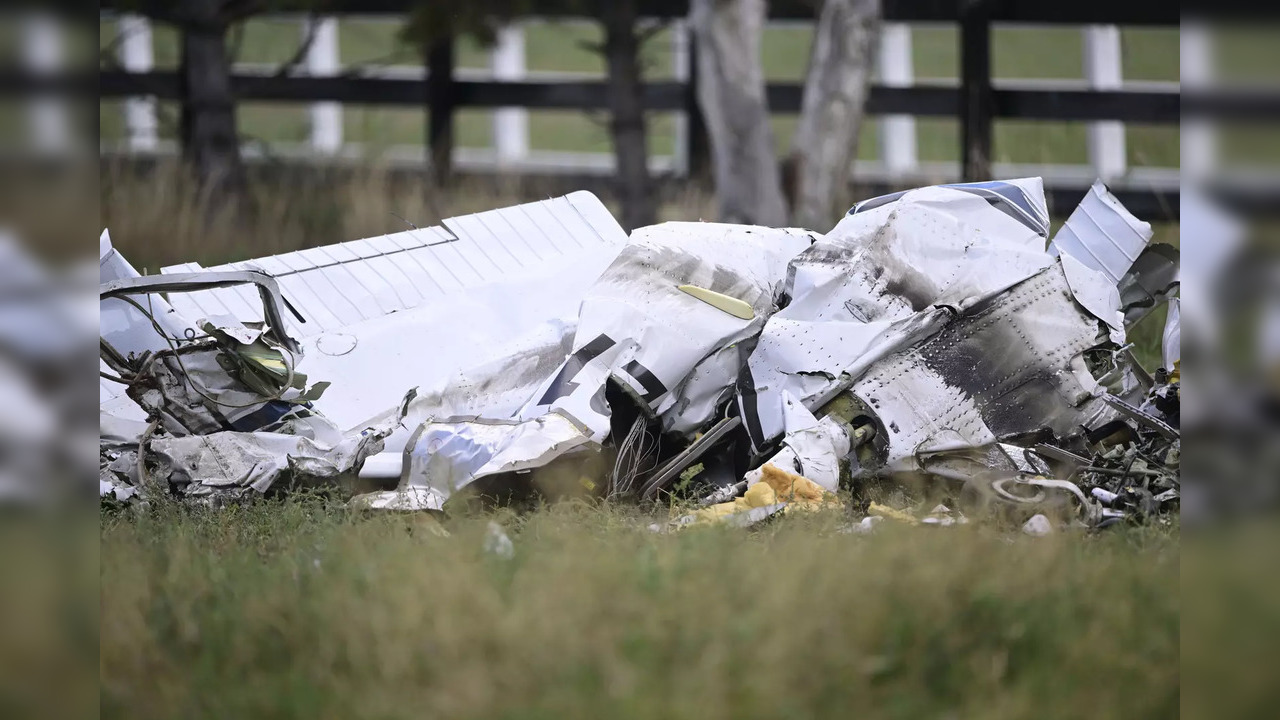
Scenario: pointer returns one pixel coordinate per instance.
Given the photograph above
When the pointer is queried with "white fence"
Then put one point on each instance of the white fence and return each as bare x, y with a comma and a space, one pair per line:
511, 148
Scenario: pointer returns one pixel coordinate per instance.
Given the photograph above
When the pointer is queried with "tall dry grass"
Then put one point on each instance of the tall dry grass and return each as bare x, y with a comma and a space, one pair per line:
159, 216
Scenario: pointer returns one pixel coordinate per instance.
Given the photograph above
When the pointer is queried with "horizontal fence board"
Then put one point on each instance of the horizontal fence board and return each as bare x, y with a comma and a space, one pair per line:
566, 95
1238, 105
1146, 106
1139, 106
22, 82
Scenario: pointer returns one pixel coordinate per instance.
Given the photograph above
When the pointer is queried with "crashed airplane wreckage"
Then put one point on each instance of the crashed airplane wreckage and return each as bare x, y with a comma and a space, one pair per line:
936, 335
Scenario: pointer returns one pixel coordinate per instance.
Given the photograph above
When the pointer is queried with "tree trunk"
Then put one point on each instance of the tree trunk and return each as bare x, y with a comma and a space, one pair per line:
210, 141
835, 92
627, 122
731, 94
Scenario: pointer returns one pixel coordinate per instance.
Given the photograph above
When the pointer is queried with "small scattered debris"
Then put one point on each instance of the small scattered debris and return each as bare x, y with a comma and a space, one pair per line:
1038, 526
497, 542
943, 516
866, 525
891, 513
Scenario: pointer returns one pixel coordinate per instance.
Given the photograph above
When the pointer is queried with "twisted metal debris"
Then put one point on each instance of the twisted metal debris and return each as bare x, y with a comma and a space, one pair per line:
936, 340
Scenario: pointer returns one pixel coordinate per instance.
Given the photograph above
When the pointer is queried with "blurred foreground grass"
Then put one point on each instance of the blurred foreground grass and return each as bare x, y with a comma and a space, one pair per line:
299, 609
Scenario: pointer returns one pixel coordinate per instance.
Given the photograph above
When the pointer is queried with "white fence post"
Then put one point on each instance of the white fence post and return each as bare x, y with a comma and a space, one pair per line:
680, 72
897, 132
322, 61
42, 53
1103, 70
510, 124
136, 55
1198, 141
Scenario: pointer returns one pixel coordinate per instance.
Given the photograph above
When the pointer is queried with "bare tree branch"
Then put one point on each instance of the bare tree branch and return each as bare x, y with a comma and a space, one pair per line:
303, 48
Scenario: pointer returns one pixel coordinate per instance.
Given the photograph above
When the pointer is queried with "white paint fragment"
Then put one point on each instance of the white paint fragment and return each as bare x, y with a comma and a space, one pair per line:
1037, 526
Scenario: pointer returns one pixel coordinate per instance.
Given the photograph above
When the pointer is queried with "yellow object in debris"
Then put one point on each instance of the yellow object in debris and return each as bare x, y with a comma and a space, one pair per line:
776, 486
733, 306
714, 513
757, 496
885, 511
792, 488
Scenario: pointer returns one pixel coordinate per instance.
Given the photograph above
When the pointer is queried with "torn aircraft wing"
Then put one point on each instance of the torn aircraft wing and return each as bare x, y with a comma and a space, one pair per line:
337, 286
1102, 234
374, 318
384, 314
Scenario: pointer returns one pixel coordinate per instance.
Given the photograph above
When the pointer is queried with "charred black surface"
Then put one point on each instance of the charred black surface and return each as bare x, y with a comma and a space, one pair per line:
990, 355
901, 279
986, 359
917, 297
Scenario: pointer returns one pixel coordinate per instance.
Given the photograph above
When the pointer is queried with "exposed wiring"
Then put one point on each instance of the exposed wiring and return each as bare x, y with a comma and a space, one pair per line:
633, 451
150, 316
